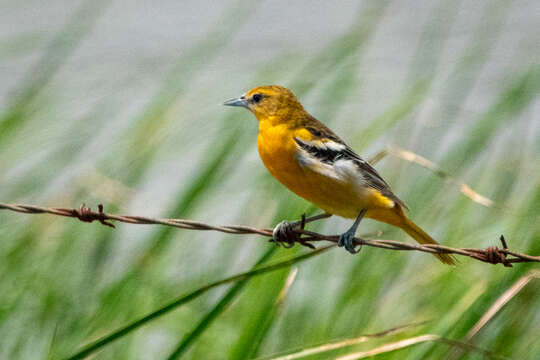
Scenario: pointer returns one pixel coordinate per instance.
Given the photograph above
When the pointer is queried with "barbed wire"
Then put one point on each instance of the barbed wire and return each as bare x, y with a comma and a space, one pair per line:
296, 234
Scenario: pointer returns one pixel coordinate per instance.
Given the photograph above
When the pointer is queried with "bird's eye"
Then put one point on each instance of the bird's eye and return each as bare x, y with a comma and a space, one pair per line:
257, 97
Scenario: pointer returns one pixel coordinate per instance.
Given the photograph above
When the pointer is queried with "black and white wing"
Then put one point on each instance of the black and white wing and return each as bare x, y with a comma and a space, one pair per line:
328, 155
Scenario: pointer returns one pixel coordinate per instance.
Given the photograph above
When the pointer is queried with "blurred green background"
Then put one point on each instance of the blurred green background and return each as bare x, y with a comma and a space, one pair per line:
119, 102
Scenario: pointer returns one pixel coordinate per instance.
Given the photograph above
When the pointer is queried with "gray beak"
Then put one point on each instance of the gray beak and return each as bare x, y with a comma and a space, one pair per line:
241, 101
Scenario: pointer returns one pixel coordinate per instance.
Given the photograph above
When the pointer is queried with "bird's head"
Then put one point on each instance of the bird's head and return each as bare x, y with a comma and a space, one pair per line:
270, 102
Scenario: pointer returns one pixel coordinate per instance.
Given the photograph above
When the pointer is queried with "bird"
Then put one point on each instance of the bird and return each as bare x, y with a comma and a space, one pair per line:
313, 162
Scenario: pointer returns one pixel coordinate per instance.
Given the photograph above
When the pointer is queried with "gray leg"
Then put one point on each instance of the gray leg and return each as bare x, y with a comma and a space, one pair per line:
347, 238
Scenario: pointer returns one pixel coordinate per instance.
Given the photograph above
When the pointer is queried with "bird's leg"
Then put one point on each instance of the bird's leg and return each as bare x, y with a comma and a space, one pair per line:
347, 238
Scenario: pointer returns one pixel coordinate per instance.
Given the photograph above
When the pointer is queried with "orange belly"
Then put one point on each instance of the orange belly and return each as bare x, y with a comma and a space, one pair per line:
277, 150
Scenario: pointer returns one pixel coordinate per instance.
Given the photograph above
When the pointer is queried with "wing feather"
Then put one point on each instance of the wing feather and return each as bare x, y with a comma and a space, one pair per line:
330, 156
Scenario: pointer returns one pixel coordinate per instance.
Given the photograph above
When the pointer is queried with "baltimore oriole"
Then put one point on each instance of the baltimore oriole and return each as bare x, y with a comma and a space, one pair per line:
313, 162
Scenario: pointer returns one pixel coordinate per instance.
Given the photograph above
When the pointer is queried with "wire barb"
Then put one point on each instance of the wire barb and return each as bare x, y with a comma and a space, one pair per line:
494, 256
296, 234
86, 214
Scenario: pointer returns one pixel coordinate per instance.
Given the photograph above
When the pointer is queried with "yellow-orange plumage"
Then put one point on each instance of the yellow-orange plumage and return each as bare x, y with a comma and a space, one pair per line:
313, 162
277, 150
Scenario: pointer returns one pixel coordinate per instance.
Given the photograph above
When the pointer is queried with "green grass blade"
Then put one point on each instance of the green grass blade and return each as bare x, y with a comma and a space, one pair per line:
98, 344
221, 306
221, 150
268, 318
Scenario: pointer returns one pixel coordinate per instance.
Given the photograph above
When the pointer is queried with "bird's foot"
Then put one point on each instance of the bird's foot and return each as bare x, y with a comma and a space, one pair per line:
347, 240
285, 235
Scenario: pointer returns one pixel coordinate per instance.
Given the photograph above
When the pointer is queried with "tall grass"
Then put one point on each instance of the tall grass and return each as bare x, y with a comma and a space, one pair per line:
102, 108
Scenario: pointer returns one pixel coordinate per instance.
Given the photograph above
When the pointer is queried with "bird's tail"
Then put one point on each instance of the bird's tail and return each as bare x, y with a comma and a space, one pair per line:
423, 238
395, 216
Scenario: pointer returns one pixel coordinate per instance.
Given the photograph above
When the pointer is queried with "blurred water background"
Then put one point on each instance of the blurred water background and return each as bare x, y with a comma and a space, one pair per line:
119, 102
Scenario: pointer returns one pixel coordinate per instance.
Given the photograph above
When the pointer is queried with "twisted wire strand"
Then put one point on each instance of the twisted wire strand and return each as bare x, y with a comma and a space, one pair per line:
492, 254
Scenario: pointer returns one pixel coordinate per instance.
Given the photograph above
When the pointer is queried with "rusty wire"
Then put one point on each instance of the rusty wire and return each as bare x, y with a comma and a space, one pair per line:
493, 254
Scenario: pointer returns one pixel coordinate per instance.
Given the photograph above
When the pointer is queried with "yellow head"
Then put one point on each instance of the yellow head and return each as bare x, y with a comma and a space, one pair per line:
270, 103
